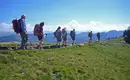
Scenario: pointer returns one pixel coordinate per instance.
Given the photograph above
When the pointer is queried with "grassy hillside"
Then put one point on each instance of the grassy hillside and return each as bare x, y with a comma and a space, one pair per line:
109, 60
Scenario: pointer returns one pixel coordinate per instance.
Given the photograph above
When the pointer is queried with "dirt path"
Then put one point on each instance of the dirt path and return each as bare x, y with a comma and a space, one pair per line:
31, 47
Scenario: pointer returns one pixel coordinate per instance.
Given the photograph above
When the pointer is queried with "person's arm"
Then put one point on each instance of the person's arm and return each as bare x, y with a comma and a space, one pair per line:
41, 31
23, 25
66, 33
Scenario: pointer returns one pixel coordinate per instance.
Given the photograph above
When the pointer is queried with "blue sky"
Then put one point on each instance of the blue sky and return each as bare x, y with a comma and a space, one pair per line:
55, 12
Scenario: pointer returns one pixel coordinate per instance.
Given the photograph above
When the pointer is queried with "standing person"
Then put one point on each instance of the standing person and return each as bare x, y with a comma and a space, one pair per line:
64, 37
72, 35
90, 35
38, 31
23, 32
98, 36
58, 35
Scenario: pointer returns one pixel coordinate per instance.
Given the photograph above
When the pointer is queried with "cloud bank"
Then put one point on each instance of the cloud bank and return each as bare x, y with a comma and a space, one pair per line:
95, 26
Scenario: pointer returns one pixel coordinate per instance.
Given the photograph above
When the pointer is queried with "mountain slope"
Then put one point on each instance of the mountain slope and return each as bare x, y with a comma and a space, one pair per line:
105, 61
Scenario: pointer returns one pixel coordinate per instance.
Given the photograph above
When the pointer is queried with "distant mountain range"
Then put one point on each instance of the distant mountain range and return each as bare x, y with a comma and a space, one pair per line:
81, 37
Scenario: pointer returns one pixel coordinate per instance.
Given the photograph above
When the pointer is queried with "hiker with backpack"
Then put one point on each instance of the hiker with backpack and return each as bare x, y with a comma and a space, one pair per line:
98, 36
58, 35
64, 37
38, 31
90, 35
23, 32
72, 35
19, 27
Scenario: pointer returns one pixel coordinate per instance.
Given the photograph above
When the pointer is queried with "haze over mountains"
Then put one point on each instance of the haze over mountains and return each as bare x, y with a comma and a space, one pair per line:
80, 37
7, 34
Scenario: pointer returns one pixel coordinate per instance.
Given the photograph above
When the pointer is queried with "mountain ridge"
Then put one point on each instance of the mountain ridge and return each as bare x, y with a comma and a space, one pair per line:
80, 37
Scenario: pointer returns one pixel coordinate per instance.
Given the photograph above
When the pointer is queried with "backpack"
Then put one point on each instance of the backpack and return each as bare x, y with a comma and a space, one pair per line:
72, 33
36, 30
89, 34
55, 34
16, 26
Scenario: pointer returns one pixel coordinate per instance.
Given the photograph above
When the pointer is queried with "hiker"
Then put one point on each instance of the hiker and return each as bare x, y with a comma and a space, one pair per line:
64, 37
38, 31
72, 35
127, 35
98, 36
90, 34
58, 35
23, 32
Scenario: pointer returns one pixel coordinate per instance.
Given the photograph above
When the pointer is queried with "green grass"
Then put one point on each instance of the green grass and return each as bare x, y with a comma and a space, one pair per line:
109, 60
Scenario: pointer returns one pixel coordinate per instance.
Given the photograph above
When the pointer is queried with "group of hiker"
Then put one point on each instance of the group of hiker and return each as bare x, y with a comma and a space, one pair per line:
19, 27
60, 34
90, 35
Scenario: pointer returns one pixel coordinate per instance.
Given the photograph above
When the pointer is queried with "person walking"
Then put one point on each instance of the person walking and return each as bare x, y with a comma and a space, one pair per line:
98, 36
64, 37
23, 32
58, 35
38, 31
73, 35
90, 35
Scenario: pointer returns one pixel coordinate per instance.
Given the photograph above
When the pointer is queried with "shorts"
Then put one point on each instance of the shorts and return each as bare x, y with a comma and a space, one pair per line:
59, 39
73, 38
40, 37
64, 38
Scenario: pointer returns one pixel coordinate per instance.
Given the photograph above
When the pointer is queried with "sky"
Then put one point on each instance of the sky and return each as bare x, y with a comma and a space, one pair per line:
83, 15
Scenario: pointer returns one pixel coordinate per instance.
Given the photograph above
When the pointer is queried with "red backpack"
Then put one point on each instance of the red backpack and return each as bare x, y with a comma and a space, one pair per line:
16, 26
36, 30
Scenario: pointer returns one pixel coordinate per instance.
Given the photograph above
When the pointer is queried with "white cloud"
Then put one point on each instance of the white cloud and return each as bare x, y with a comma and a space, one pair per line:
4, 27
128, 28
30, 28
95, 26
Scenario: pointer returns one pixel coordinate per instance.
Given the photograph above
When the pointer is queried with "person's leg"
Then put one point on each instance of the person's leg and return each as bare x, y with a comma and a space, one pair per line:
73, 38
98, 39
40, 41
22, 41
40, 44
22, 44
74, 42
57, 41
60, 41
63, 43
66, 41
89, 39
25, 40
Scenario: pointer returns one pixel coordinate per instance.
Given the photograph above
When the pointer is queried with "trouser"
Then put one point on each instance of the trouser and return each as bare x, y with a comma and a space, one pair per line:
98, 38
90, 39
40, 38
73, 38
24, 40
